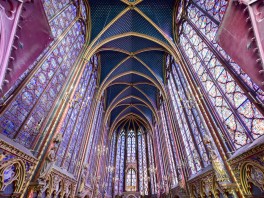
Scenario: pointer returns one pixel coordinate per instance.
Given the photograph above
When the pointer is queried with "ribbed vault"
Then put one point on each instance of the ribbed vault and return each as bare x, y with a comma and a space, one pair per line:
132, 39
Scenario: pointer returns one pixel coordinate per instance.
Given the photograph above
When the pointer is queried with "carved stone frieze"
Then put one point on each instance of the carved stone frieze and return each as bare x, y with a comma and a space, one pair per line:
55, 183
207, 184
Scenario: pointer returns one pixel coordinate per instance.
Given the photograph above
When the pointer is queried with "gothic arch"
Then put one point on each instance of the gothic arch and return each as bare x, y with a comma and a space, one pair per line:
16, 173
251, 174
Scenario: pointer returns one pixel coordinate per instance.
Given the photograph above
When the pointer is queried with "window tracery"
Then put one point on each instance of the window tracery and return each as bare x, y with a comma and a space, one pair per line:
143, 167
218, 74
132, 153
92, 151
171, 158
23, 118
119, 169
131, 147
131, 180
74, 125
111, 163
152, 167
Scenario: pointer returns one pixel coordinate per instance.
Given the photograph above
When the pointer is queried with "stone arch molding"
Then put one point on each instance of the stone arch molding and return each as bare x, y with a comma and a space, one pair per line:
251, 173
16, 171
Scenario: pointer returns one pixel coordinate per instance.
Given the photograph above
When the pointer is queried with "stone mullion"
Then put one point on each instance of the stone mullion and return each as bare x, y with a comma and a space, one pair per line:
156, 154
176, 128
171, 136
104, 157
169, 143
125, 162
74, 126
179, 155
205, 106
192, 111
164, 148
153, 175
35, 69
164, 153
208, 106
59, 114
114, 173
94, 124
60, 11
117, 166
251, 95
154, 161
138, 166
107, 160
189, 127
206, 13
138, 159
84, 135
148, 163
108, 163
169, 128
108, 172
93, 158
89, 131
80, 110
179, 142
232, 108
43, 92
114, 168
101, 143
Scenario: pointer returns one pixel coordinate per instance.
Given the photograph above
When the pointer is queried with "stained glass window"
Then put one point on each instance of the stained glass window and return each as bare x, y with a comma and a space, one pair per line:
131, 180
160, 152
131, 147
142, 164
24, 116
135, 146
74, 125
190, 122
83, 10
217, 74
172, 165
119, 169
152, 167
94, 138
110, 167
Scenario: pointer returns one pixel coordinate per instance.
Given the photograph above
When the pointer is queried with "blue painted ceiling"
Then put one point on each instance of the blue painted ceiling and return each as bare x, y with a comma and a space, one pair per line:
132, 41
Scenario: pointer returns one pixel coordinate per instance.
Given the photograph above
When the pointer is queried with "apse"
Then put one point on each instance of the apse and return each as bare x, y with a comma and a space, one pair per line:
131, 98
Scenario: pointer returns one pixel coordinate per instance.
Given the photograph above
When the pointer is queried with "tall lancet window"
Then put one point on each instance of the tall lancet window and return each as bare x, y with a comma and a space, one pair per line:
172, 165
228, 88
120, 160
132, 163
74, 124
152, 167
189, 121
131, 180
91, 154
111, 163
131, 147
23, 118
142, 164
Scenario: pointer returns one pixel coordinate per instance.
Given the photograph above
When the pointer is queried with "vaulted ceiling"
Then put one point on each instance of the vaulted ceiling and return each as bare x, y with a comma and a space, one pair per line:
132, 38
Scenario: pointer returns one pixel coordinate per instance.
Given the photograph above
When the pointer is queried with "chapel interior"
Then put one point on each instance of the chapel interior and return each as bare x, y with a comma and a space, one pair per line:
132, 98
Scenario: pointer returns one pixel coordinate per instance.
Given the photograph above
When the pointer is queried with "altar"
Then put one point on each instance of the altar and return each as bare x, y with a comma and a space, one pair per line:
131, 194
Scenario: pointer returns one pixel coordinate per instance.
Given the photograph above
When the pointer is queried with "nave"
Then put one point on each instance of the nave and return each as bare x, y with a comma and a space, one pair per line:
132, 99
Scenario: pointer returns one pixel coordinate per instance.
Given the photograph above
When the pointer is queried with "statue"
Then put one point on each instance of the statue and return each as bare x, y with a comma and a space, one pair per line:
217, 163
50, 160
83, 179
